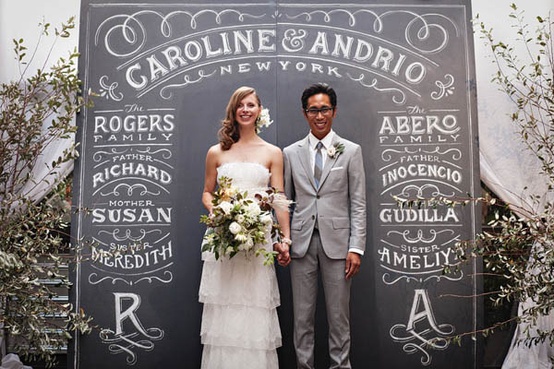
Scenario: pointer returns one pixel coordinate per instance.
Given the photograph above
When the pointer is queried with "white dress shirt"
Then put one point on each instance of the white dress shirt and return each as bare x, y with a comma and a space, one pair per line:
326, 141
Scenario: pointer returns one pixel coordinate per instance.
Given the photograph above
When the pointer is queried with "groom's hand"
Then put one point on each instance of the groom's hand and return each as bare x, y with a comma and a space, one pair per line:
283, 256
353, 262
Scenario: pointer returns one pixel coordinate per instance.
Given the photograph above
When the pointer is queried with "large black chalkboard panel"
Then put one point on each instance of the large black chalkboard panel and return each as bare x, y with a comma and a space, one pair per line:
403, 75
141, 172
163, 72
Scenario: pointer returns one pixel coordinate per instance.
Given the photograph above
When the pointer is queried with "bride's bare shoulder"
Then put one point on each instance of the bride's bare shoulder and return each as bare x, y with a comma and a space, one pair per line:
272, 149
214, 154
271, 155
215, 150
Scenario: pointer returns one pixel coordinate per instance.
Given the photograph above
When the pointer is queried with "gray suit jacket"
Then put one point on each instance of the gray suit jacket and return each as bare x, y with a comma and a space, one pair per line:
339, 205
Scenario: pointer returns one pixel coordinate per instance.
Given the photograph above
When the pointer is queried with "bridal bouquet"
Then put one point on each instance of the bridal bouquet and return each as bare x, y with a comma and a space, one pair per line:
240, 223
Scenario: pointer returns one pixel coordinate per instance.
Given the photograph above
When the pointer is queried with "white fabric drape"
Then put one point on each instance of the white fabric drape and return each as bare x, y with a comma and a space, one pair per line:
38, 188
534, 356
12, 361
507, 170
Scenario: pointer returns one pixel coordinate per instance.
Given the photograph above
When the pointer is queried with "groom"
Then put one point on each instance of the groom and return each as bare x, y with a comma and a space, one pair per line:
324, 176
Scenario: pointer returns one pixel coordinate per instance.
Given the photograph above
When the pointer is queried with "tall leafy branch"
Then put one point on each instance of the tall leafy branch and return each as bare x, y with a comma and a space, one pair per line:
517, 246
37, 114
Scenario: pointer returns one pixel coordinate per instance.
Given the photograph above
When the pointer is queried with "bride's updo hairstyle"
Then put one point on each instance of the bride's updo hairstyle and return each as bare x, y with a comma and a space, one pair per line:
228, 133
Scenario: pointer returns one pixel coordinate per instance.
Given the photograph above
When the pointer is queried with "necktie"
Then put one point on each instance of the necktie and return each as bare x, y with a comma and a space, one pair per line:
318, 163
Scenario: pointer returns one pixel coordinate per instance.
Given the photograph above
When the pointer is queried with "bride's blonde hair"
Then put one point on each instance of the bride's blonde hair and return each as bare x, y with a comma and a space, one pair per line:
228, 134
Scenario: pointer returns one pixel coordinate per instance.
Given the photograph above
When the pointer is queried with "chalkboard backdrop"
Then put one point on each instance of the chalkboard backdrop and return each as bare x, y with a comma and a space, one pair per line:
163, 72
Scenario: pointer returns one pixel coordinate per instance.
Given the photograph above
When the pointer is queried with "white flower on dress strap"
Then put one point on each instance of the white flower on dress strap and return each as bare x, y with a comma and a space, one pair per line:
335, 150
263, 120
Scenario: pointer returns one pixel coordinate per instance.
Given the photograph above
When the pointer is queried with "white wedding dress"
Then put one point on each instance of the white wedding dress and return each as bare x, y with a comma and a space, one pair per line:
240, 328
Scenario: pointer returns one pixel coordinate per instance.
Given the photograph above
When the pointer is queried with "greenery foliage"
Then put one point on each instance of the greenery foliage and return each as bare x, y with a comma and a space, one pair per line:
33, 228
518, 248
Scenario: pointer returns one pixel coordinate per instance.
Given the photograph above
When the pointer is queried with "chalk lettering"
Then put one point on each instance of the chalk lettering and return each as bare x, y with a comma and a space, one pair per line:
421, 171
134, 123
418, 215
131, 169
132, 215
414, 262
419, 125
133, 260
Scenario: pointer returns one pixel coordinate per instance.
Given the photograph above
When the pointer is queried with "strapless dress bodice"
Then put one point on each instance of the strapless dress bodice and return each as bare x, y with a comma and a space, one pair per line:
245, 175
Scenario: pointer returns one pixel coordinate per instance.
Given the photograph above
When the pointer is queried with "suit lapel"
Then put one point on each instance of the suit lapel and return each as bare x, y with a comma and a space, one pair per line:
304, 156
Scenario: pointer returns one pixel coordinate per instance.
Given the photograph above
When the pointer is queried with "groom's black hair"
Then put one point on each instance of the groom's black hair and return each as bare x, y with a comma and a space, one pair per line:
319, 88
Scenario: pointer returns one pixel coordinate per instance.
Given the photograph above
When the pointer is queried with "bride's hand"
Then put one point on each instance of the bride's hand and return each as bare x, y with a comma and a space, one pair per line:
283, 256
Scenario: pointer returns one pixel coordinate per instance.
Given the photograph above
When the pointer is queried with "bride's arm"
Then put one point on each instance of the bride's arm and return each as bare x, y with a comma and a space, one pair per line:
282, 215
210, 177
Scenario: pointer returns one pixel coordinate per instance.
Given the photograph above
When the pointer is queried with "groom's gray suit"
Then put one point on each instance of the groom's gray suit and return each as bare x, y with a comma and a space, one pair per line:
327, 222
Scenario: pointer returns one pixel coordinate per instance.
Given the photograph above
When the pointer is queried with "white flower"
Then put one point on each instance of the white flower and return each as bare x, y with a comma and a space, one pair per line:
226, 206
266, 219
248, 244
232, 191
263, 120
241, 237
240, 218
335, 150
253, 210
234, 228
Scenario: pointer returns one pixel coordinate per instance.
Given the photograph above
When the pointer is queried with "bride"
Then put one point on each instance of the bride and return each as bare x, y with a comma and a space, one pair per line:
240, 327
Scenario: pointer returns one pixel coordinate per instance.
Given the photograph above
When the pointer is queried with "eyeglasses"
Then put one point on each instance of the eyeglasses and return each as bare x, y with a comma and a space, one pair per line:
312, 112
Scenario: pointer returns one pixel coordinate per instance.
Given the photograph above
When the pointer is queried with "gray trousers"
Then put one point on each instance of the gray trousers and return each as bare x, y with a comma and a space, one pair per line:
304, 276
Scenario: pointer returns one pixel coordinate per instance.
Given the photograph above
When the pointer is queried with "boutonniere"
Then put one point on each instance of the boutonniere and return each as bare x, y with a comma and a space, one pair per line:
335, 150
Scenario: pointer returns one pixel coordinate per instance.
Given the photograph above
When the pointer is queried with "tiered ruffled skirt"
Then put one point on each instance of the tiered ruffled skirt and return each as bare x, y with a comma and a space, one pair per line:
240, 328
